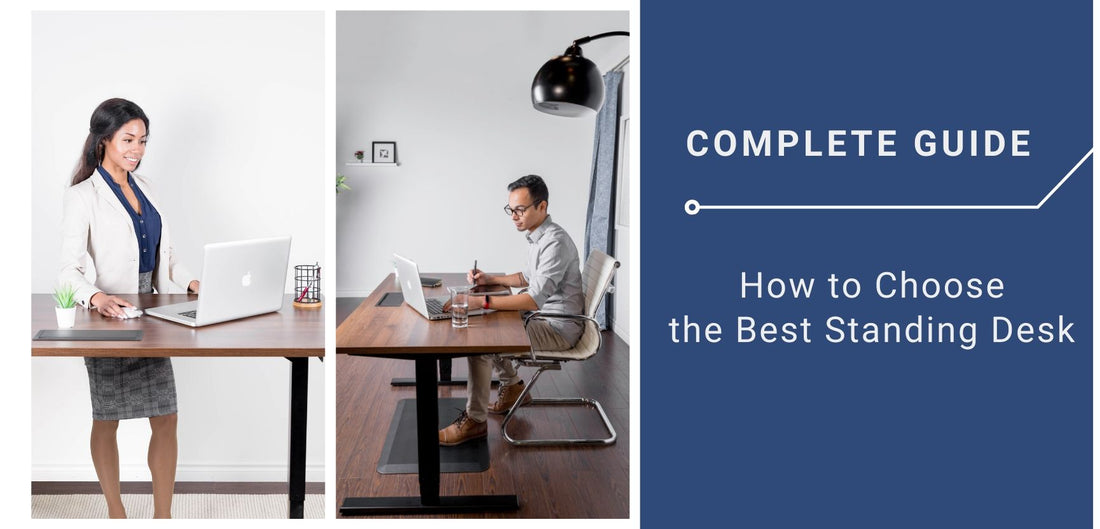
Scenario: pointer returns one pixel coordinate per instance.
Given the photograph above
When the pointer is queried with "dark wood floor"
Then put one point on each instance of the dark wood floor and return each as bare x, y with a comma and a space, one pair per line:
576, 482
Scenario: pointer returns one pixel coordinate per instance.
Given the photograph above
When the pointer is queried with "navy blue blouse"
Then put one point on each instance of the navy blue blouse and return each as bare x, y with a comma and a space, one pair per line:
146, 225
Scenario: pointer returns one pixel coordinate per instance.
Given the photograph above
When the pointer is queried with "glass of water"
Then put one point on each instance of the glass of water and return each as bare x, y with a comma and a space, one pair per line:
460, 306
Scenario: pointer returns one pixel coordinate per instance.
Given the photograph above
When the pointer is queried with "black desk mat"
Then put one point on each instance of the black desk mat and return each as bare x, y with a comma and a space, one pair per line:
399, 453
88, 335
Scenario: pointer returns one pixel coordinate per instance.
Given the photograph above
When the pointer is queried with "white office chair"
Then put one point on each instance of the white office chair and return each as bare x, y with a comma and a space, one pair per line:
599, 269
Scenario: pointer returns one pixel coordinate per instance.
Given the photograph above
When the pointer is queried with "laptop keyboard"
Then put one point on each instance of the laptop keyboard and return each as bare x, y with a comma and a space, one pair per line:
189, 313
434, 306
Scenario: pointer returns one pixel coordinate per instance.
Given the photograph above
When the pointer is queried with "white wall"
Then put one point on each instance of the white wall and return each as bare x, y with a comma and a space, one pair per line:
236, 151
453, 90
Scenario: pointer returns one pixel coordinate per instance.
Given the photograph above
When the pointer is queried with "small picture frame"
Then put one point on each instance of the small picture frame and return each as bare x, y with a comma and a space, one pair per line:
383, 152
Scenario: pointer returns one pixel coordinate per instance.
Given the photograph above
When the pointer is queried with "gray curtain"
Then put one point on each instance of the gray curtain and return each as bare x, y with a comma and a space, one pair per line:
599, 232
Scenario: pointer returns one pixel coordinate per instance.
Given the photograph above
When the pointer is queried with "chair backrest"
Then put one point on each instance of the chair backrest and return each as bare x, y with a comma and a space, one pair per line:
599, 269
598, 272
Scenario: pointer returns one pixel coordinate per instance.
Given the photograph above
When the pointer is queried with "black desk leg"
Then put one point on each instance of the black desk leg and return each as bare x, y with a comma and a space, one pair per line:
427, 421
445, 378
296, 479
445, 369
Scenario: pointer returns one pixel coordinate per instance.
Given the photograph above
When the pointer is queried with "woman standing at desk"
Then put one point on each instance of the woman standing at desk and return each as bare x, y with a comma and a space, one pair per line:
114, 241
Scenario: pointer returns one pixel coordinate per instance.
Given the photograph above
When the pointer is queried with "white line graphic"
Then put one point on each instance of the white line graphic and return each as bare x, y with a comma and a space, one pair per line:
692, 207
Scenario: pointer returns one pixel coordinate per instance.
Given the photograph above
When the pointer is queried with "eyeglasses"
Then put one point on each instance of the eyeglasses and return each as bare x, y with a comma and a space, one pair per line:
519, 210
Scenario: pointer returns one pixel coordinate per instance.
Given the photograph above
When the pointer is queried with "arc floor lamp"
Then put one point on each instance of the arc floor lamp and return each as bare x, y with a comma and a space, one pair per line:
570, 85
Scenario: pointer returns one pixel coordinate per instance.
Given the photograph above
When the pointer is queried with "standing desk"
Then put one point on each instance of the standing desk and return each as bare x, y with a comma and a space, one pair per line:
401, 332
294, 334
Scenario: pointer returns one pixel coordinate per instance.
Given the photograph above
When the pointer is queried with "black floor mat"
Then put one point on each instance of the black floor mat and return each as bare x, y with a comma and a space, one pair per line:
399, 453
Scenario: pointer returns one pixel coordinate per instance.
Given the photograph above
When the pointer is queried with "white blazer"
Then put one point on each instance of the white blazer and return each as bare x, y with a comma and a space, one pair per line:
99, 249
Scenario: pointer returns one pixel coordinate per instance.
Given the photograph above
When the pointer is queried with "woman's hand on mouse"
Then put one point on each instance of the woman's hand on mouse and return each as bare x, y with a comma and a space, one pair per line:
110, 306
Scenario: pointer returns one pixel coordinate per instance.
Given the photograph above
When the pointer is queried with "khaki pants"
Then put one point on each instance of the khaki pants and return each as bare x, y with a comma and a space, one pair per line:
479, 383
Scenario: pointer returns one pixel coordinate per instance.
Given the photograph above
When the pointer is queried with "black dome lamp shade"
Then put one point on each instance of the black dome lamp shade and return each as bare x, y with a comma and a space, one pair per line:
570, 85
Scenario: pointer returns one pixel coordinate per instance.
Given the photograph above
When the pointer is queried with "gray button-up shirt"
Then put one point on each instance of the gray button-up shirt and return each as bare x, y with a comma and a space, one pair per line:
554, 277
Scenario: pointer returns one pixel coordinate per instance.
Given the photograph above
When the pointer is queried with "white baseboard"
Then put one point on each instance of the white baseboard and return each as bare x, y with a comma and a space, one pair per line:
620, 331
183, 473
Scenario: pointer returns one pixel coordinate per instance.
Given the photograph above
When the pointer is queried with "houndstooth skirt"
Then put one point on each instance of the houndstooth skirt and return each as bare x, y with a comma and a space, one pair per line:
128, 388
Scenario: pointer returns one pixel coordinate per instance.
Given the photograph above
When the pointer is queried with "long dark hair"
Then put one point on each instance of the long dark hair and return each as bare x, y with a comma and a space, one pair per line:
108, 117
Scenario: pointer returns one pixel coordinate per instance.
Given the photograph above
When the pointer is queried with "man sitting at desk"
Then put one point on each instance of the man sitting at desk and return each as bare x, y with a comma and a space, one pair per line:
552, 283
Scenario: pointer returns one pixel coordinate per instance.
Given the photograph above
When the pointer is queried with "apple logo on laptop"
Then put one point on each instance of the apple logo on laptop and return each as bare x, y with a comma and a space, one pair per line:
247, 279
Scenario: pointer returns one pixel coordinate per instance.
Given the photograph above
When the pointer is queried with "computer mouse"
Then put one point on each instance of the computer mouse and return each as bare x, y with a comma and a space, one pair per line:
132, 312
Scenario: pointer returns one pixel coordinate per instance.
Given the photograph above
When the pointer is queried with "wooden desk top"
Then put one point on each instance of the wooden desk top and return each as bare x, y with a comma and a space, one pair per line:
290, 332
401, 332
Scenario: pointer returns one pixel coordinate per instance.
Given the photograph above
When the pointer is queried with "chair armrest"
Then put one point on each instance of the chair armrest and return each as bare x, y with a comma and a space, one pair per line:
539, 315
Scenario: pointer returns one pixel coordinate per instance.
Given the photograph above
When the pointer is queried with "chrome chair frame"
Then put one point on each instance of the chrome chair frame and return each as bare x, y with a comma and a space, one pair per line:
554, 364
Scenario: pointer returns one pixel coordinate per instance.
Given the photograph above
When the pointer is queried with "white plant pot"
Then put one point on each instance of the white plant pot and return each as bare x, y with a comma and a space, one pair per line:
66, 318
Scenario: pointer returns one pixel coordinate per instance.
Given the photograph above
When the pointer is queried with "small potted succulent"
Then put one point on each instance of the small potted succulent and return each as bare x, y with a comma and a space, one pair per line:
359, 156
65, 296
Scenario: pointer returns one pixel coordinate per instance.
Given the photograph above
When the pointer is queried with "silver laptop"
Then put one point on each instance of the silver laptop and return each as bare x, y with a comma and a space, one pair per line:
239, 279
408, 275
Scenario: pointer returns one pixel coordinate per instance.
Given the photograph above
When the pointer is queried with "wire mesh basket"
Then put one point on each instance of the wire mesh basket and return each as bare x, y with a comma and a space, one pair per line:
307, 286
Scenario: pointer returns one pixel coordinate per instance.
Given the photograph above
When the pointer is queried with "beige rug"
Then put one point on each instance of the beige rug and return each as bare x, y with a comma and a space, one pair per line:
183, 506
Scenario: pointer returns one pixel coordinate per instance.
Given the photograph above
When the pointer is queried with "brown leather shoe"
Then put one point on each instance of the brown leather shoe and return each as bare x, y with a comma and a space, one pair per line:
506, 397
463, 429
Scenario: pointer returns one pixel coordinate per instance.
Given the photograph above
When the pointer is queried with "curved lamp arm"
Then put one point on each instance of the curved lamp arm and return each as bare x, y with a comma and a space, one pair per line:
590, 38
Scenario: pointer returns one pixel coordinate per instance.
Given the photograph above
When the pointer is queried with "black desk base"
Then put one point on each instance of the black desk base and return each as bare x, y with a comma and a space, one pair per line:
427, 445
412, 505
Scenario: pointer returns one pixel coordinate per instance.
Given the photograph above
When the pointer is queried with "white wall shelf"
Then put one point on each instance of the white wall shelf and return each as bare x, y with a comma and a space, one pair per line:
368, 164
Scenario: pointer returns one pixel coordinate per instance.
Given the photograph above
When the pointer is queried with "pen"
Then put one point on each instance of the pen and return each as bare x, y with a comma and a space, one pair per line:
474, 272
